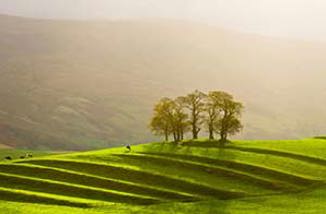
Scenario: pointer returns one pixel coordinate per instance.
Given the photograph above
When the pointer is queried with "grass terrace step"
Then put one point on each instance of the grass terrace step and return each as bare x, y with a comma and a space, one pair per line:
244, 167
23, 196
267, 151
92, 181
288, 165
67, 189
217, 171
301, 157
141, 177
187, 172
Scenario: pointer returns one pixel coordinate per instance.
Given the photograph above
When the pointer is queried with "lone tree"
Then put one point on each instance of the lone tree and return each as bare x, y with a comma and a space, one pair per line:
169, 118
212, 112
230, 111
194, 102
162, 121
180, 120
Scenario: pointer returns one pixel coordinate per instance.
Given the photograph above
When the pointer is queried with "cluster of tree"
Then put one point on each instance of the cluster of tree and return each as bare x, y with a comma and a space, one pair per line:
216, 111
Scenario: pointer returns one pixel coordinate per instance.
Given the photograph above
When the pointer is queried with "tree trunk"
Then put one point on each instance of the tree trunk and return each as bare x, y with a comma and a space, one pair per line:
194, 131
194, 124
211, 135
223, 139
211, 131
166, 137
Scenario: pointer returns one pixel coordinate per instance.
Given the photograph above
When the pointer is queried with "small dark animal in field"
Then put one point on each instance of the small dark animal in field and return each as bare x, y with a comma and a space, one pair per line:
128, 147
26, 156
8, 158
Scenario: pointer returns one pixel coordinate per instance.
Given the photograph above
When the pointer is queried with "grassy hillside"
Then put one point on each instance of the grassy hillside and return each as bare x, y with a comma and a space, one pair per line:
16, 153
87, 84
192, 177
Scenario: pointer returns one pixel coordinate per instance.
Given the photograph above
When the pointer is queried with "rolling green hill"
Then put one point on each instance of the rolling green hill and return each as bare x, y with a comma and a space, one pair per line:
73, 85
194, 176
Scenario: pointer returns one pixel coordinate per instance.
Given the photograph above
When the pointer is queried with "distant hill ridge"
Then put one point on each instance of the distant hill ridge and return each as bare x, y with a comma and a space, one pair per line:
87, 84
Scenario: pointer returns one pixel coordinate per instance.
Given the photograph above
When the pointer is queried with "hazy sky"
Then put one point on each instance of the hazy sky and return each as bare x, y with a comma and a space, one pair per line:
287, 18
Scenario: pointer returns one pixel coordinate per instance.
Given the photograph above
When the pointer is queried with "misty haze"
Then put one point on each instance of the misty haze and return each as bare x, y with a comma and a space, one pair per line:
144, 104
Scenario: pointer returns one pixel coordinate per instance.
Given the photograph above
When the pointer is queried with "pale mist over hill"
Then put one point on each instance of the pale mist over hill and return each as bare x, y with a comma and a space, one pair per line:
88, 84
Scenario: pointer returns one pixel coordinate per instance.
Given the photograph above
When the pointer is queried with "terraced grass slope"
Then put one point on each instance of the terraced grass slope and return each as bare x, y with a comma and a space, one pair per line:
198, 177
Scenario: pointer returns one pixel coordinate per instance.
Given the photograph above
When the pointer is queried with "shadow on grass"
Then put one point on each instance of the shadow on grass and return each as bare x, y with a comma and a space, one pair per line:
24, 198
187, 147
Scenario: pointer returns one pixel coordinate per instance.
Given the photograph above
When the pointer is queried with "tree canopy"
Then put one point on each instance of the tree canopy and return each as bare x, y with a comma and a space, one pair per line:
216, 111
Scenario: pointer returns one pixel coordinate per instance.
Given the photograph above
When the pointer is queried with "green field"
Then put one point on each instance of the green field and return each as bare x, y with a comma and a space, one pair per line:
17, 154
192, 177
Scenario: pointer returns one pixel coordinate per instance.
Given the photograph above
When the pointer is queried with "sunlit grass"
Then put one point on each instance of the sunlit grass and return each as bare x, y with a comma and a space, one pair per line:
255, 177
